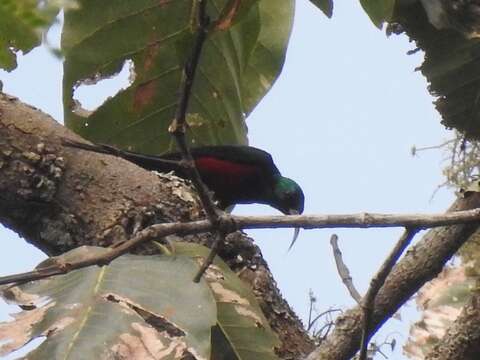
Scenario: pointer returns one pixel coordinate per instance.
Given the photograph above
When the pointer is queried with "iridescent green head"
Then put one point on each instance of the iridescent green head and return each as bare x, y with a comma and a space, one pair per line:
287, 196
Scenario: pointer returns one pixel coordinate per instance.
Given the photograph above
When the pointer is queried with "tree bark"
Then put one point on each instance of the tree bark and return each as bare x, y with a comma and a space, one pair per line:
421, 263
59, 198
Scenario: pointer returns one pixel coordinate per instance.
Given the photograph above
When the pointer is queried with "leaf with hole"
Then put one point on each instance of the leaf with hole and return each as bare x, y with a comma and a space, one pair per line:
238, 66
135, 306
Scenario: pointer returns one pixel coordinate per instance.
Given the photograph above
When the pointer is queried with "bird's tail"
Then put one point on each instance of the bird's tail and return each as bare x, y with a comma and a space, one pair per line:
149, 162
98, 148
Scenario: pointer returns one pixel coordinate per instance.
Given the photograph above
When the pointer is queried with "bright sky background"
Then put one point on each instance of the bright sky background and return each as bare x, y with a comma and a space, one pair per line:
341, 121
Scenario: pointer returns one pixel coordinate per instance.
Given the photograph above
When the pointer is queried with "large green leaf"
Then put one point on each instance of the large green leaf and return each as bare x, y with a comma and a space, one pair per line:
242, 331
268, 56
233, 12
136, 305
238, 66
379, 11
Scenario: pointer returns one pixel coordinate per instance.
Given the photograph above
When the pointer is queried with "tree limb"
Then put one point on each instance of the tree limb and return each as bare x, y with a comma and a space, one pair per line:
360, 221
58, 199
201, 226
368, 303
420, 264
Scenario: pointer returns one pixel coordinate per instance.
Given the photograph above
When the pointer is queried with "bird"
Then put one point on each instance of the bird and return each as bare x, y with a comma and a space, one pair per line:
236, 174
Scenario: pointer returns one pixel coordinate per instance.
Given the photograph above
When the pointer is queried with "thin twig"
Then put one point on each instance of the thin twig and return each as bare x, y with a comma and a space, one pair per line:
377, 282
152, 232
316, 318
343, 270
415, 150
321, 334
251, 222
178, 129
363, 220
313, 300
179, 125
219, 239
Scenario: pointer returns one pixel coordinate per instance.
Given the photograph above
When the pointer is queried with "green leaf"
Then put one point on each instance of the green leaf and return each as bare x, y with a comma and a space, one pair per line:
231, 78
325, 5
451, 68
268, 55
379, 11
21, 26
242, 329
232, 12
135, 305
17, 30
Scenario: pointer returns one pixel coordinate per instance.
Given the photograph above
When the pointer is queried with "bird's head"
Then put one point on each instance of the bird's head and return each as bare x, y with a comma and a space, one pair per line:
289, 199
287, 196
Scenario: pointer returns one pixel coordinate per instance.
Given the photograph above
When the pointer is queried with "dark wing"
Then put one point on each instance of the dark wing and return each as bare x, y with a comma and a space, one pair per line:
239, 154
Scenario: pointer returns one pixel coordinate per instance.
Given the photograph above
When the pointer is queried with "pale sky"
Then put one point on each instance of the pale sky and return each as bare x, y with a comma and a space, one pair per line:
341, 121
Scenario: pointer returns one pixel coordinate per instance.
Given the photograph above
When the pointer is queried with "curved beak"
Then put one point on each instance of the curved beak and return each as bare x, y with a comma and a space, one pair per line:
296, 230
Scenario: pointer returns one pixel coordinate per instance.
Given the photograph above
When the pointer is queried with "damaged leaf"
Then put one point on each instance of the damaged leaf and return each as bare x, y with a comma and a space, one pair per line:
440, 302
242, 330
138, 307
238, 66
450, 67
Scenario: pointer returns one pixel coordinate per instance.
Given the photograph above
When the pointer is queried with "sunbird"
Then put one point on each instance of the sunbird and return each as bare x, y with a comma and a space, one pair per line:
236, 174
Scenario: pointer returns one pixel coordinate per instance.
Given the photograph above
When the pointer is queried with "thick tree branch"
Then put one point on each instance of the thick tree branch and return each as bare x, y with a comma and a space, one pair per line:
420, 264
368, 303
58, 199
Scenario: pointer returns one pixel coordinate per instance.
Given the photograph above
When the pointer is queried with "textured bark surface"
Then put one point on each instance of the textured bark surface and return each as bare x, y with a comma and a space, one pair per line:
58, 198
421, 263
462, 340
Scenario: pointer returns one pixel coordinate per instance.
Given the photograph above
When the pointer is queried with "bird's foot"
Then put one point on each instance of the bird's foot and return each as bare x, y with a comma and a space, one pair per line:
225, 222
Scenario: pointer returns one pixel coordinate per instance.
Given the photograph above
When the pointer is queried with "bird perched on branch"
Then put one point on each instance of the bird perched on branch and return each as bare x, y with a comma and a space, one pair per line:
236, 174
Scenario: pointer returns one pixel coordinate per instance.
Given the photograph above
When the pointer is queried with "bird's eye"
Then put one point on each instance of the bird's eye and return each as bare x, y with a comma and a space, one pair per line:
289, 195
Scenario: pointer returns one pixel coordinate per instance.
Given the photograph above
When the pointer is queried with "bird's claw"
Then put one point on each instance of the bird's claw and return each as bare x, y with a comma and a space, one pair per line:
225, 223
